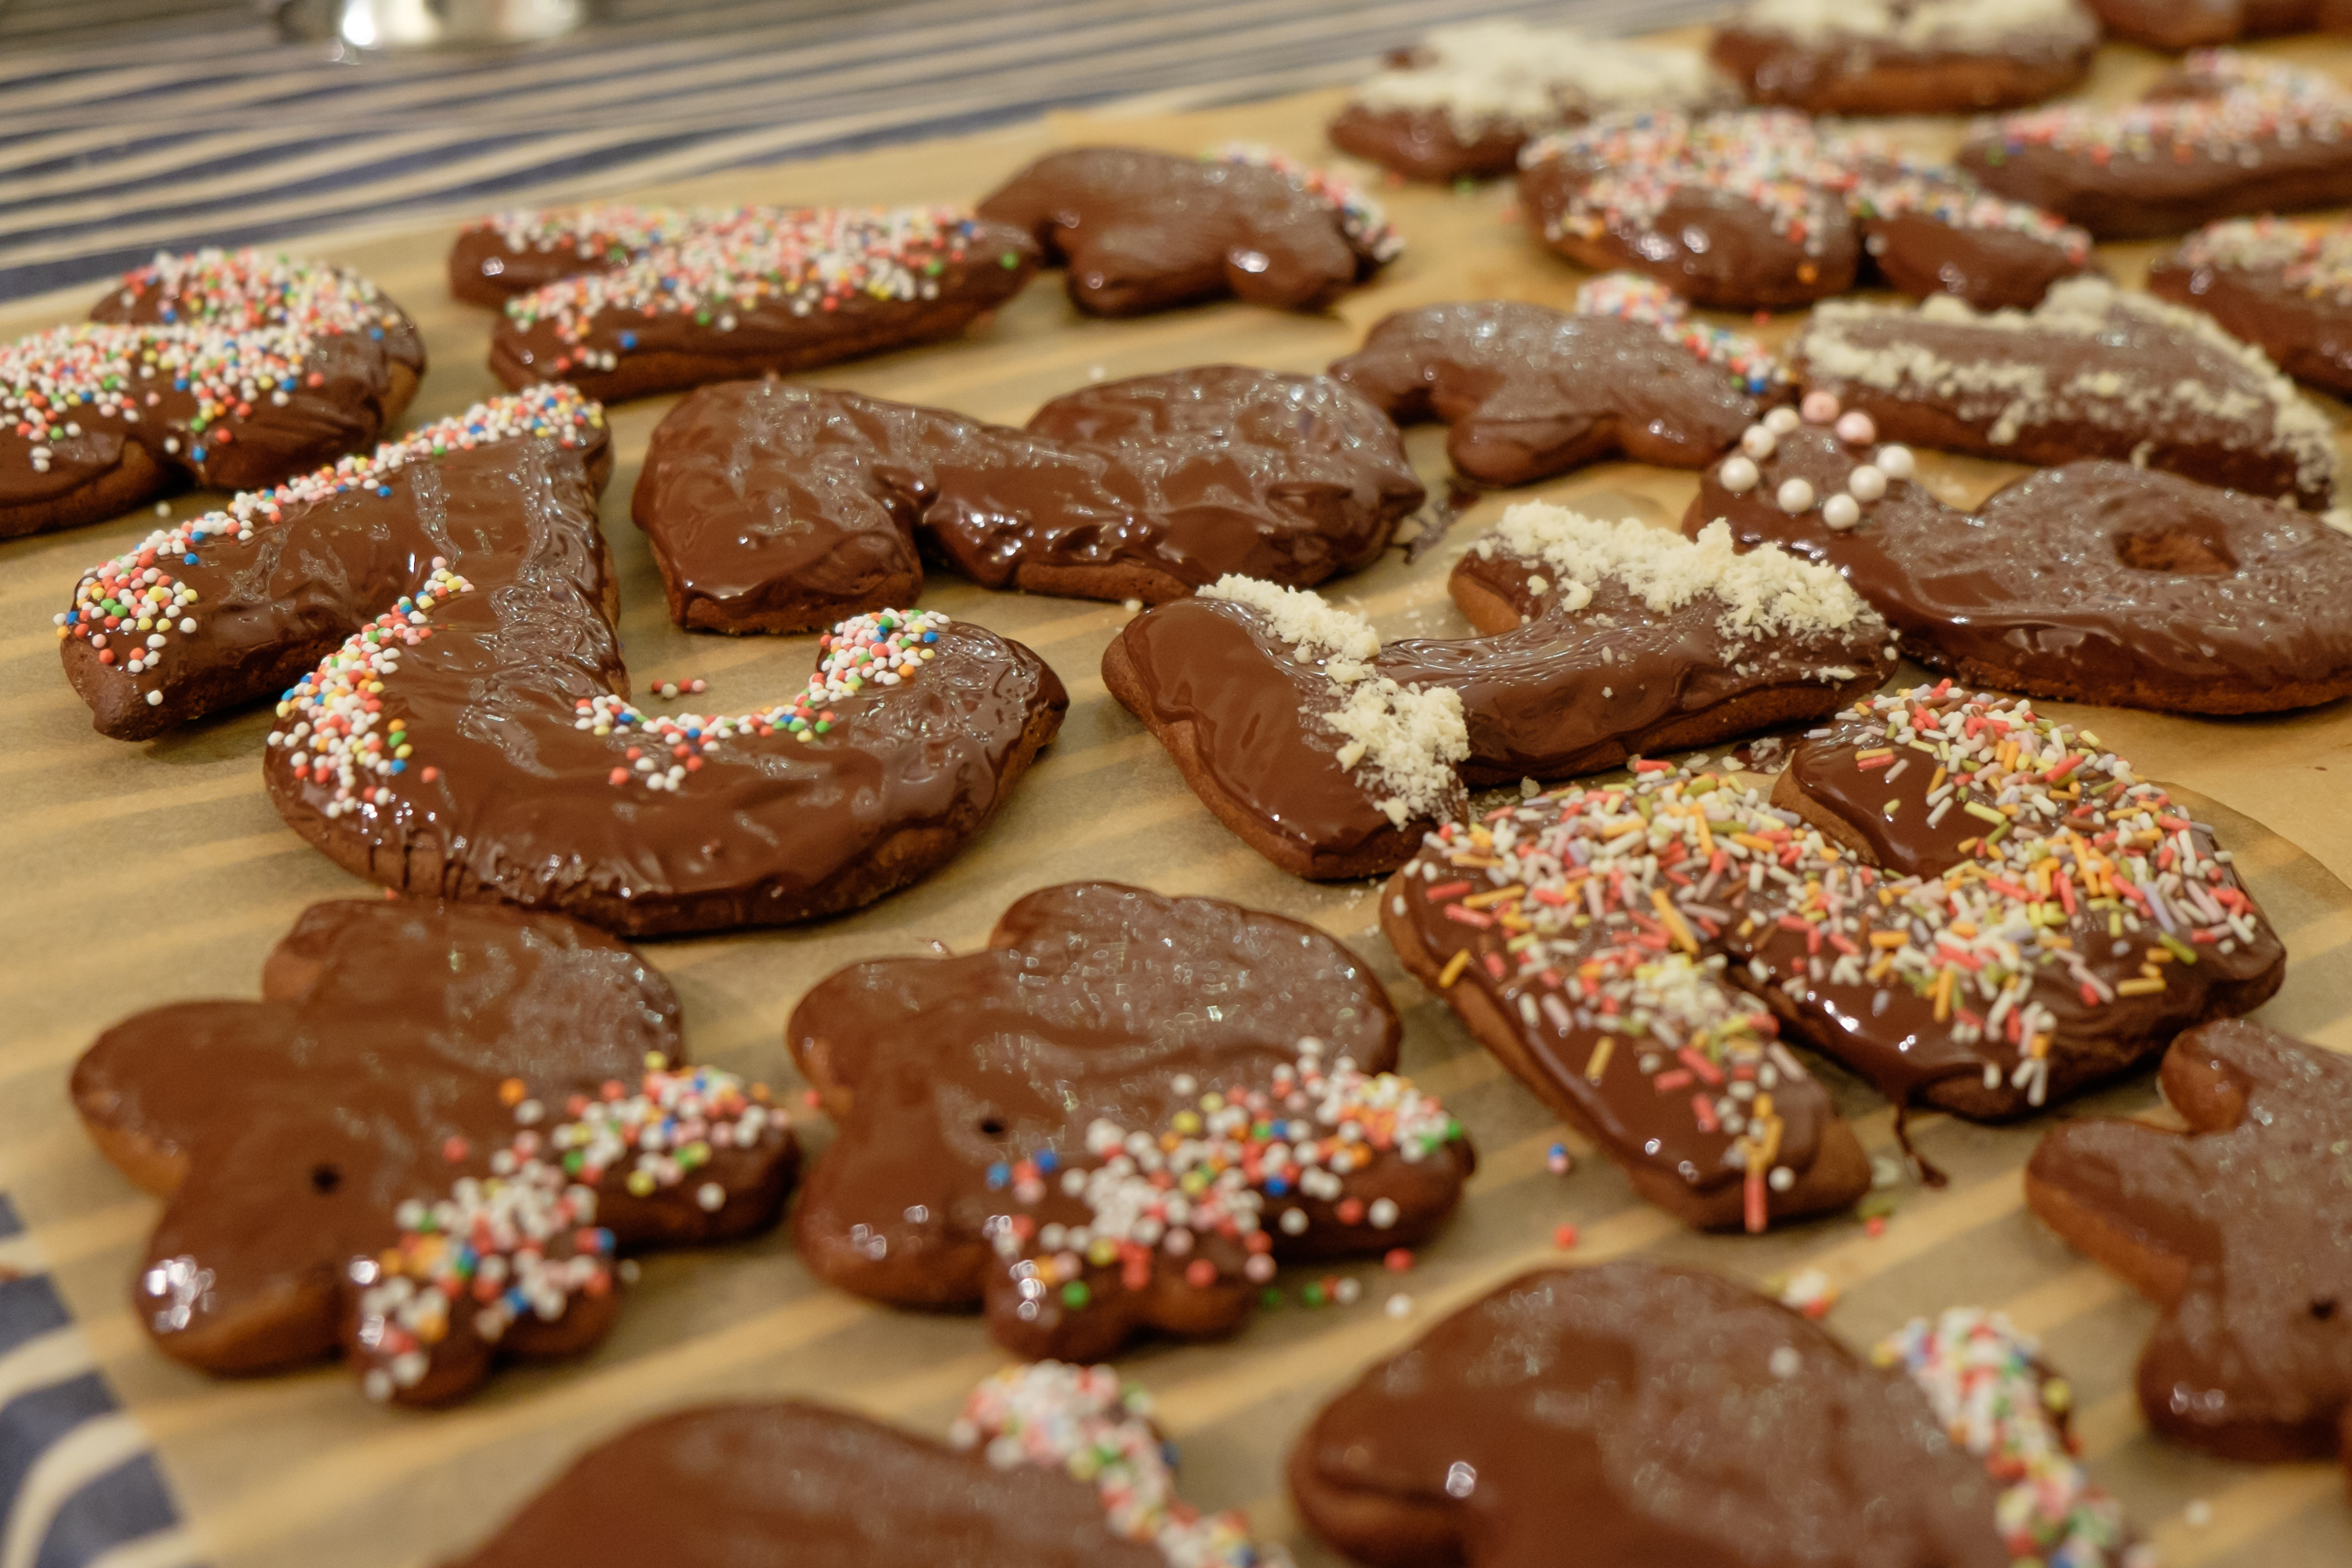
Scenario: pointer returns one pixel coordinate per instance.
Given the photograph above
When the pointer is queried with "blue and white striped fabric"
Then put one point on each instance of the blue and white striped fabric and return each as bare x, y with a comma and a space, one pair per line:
131, 125
78, 1486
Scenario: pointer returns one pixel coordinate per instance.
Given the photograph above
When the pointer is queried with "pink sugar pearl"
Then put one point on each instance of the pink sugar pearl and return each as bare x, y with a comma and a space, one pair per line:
1819, 407
1856, 429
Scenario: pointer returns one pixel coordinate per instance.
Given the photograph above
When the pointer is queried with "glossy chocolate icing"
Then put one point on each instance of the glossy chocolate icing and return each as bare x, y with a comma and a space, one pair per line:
1141, 231
957, 1081
1637, 1412
2238, 1229
389, 1060
1533, 391
2095, 582
1861, 71
776, 507
515, 252
522, 785
774, 293
2185, 24
2224, 134
1426, 144
2093, 373
2285, 292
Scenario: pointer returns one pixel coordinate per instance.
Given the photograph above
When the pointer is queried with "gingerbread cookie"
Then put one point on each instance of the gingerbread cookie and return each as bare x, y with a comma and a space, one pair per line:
1058, 1130
2227, 134
1639, 1411
1461, 103
510, 253
1765, 210
230, 370
771, 291
1141, 231
1531, 392
2236, 1229
425, 1147
772, 507
2097, 582
2185, 24
2094, 372
2284, 288
1906, 56
228, 608
1276, 709
1049, 1466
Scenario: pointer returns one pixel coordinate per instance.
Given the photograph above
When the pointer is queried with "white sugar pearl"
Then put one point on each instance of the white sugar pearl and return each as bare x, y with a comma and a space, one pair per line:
1841, 512
1738, 476
1865, 483
1856, 428
1795, 496
1757, 442
1895, 462
1780, 421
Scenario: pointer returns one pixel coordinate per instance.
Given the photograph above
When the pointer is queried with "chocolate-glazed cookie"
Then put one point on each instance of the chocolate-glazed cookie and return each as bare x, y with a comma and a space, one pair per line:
1638, 1412
1274, 707
1113, 1120
1765, 210
1461, 104
230, 370
2284, 288
772, 507
2226, 133
1141, 231
2185, 24
2094, 372
514, 252
768, 291
1532, 391
2236, 1229
1906, 56
2097, 582
1050, 1467
423, 1148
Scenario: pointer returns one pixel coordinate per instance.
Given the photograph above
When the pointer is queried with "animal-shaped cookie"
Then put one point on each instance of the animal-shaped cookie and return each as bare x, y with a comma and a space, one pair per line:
1531, 392
763, 291
425, 1147
1114, 1118
1639, 1412
773, 506
1141, 231
2224, 134
1462, 102
2097, 582
2236, 1229
1906, 56
2284, 288
1764, 210
1050, 1466
2092, 372
231, 370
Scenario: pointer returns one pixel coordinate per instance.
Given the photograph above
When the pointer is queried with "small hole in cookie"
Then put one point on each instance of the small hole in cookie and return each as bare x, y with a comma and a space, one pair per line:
2175, 552
991, 1125
2323, 1308
325, 1178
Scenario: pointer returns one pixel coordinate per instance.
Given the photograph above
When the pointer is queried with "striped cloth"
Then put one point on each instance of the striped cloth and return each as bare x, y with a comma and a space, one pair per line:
78, 1486
127, 126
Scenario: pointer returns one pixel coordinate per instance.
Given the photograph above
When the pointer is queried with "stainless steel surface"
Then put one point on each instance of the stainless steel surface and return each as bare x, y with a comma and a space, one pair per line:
429, 24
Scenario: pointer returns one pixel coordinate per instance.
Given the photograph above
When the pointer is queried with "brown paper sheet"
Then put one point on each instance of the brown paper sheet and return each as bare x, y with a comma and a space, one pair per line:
134, 875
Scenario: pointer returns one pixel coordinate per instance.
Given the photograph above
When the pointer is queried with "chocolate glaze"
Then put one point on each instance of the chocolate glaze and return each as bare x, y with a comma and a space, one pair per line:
2305, 328
1424, 143
1856, 73
2094, 373
1213, 667
1092, 1001
497, 257
1553, 692
285, 1133
1635, 1412
774, 507
624, 350
517, 804
723, 1486
1142, 231
2185, 24
2094, 581
2238, 1229
1533, 391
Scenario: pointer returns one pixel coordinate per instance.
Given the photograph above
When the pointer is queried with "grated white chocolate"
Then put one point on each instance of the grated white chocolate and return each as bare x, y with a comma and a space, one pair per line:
1505, 73
1967, 25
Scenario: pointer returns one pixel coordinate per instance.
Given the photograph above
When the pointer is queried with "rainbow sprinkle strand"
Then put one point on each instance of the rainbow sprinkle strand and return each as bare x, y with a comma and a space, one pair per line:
1631, 296
1214, 1169
1979, 1375
1082, 1421
2250, 101
2315, 262
1900, 188
247, 291
339, 733
51, 381
1364, 220
601, 231
138, 598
